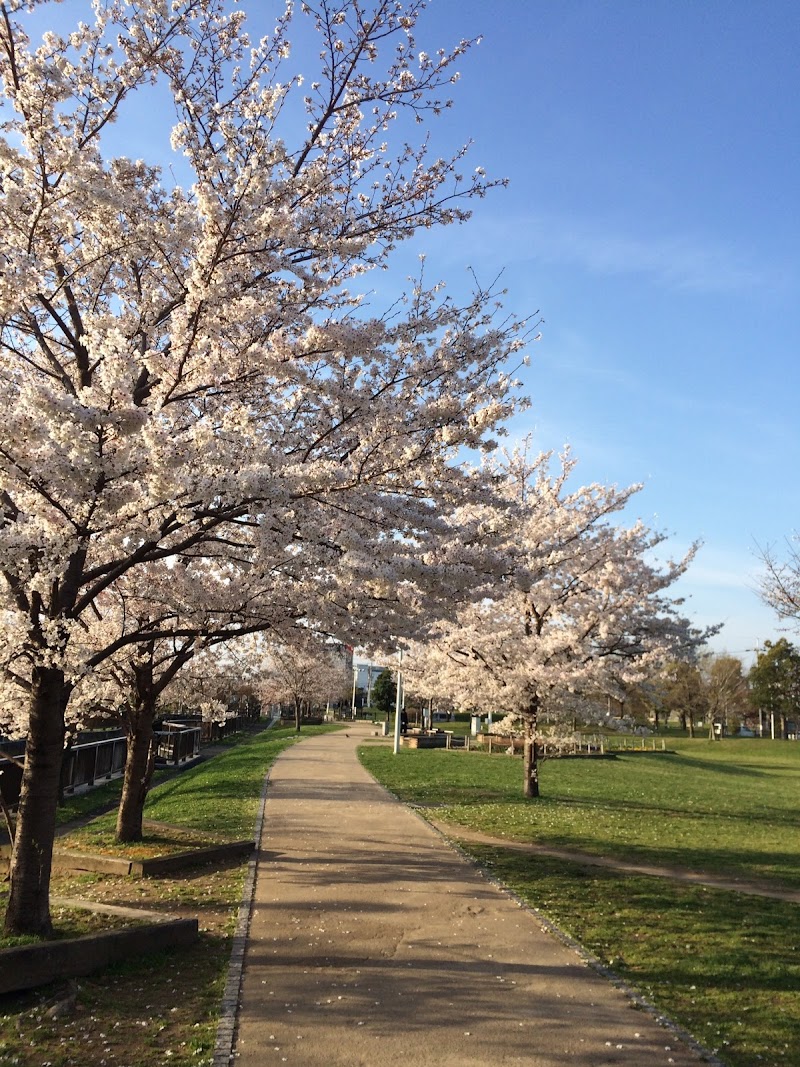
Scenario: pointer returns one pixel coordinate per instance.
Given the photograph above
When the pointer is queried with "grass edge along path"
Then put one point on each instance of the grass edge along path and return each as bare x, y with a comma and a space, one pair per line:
721, 965
162, 1008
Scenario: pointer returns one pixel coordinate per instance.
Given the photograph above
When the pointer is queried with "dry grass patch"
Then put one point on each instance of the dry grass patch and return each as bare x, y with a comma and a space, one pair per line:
158, 840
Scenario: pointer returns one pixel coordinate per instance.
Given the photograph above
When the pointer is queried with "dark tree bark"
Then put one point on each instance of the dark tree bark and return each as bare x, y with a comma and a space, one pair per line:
530, 752
28, 910
298, 708
147, 685
140, 755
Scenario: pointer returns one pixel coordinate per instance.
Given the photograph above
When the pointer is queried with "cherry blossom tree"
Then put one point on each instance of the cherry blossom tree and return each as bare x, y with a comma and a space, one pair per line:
219, 681
779, 586
303, 672
582, 606
182, 364
148, 627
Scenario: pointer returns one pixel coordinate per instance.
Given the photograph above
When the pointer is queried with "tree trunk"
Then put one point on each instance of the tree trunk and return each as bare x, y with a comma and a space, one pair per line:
28, 909
139, 757
530, 753
298, 707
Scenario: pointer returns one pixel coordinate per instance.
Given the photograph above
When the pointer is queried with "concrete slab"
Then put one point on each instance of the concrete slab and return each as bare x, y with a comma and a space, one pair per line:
374, 943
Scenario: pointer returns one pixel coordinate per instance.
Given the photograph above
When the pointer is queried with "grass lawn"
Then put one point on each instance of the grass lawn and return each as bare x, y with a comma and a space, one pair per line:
723, 965
158, 1008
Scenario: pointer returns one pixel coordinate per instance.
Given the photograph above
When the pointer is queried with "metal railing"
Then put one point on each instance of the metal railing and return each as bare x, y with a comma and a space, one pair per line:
176, 743
86, 764
90, 762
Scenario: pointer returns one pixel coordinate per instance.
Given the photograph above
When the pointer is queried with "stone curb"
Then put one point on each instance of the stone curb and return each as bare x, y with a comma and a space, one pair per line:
28, 966
229, 1008
165, 864
67, 860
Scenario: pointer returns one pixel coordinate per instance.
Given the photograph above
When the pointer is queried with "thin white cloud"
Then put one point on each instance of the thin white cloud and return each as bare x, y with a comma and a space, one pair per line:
719, 578
678, 261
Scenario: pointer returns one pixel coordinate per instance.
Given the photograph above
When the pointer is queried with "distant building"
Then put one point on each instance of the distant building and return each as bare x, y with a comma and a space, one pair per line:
365, 675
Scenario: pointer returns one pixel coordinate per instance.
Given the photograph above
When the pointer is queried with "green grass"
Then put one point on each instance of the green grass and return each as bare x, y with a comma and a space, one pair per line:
724, 807
68, 923
102, 797
220, 796
724, 966
717, 963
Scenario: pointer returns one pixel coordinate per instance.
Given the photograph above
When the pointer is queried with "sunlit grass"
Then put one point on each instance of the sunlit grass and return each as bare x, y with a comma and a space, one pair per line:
68, 923
218, 799
725, 807
724, 966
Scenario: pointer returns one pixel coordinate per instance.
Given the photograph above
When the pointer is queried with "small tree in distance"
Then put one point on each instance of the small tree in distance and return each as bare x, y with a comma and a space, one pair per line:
581, 606
775, 683
728, 691
685, 693
303, 673
384, 692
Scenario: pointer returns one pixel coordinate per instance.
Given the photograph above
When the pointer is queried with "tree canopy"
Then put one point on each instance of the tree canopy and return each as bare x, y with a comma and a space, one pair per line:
577, 605
780, 583
193, 378
775, 681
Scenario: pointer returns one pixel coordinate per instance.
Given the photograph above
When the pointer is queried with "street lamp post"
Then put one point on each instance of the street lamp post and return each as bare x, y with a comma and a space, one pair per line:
398, 704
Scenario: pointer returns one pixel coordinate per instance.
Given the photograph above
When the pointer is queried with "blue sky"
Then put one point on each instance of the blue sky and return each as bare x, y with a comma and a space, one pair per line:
653, 152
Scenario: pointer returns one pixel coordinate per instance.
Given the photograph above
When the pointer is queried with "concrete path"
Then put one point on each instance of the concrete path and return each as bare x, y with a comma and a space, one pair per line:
374, 943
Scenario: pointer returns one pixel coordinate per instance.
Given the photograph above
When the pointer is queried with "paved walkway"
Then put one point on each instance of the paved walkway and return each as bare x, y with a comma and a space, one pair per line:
374, 943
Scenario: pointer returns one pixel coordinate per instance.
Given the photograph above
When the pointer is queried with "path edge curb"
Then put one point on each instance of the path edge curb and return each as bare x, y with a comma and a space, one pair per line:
229, 1011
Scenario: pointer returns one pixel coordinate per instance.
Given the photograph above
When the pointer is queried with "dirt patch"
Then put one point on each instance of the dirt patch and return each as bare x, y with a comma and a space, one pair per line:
678, 874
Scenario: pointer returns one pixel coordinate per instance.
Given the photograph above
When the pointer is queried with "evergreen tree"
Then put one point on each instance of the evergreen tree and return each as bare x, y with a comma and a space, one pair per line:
384, 692
775, 683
